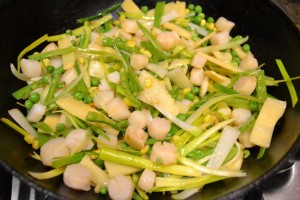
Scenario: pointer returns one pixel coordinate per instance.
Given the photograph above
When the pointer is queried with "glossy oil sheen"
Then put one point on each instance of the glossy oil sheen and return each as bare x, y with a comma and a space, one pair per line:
272, 35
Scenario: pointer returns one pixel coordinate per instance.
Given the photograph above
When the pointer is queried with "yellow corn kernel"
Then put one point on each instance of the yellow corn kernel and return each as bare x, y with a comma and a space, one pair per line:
46, 62
91, 90
130, 43
127, 101
29, 139
185, 91
35, 144
81, 60
187, 11
122, 18
210, 26
86, 23
203, 22
94, 156
97, 151
148, 83
146, 52
154, 31
145, 149
116, 22
207, 118
175, 137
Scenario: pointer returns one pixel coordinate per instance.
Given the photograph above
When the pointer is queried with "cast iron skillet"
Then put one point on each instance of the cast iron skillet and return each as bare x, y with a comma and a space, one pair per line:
272, 35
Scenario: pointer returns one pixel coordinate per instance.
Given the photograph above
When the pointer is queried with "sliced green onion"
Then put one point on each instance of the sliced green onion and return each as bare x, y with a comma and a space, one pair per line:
158, 12
289, 83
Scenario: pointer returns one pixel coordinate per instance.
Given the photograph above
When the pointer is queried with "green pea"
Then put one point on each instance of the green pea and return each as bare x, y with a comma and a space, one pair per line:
60, 127
103, 190
236, 59
35, 97
61, 85
195, 90
57, 72
95, 81
210, 20
246, 48
191, 7
238, 37
78, 95
99, 162
144, 9
202, 15
198, 9
190, 96
197, 19
234, 53
118, 40
74, 43
69, 32
53, 105
123, 145
123, 123
87, 99
28, 104
178, 97
182, 116
45, 80
50, 68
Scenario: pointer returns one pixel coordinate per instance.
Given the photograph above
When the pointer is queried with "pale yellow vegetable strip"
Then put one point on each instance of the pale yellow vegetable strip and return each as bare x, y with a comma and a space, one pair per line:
206, 170
262, 131
201, 41
101, 21
217, 77
130, 7
30, 47
181, 31
220, 63
49, 174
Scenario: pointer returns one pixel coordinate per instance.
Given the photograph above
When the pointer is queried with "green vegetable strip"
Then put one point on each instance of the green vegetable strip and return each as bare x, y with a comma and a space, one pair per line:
71, 86
25, 91
198, 140
229, 45
261, 87
41, 56
157, 55
150, 37
103, 13
30, 47
224, 89
52, 88
83, 39
211, 102
289, 83
261, 152
121, 45
67, 160
123, 158
158, 13
100, 117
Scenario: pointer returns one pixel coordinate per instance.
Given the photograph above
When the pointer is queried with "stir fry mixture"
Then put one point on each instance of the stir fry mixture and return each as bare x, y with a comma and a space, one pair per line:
154, 100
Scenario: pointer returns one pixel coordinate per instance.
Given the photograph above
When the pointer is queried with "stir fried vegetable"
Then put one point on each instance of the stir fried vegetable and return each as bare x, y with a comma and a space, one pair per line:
156, 100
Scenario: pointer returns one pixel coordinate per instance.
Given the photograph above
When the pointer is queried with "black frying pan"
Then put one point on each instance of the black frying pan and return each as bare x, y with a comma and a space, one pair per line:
272, 35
